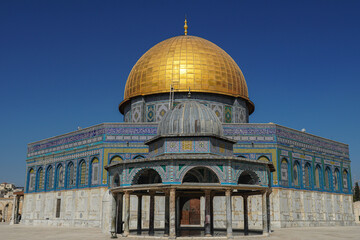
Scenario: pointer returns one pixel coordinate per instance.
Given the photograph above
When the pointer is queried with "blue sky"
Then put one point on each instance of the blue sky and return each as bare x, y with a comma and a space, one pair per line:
64, 64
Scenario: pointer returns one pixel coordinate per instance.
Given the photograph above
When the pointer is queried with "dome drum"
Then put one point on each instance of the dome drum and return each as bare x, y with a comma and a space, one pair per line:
151, 108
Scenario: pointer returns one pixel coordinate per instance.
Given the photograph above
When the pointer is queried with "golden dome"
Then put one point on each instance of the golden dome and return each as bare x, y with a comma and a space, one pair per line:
185, 62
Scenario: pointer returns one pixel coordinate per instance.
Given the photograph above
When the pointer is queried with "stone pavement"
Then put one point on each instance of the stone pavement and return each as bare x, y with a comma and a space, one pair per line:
19, 232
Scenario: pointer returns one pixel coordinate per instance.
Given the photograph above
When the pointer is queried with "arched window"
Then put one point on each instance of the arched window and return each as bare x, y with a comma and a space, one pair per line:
49, 178
40, 179
284, 172
318, 176
31, 186
296, 174
59, 177
345, 181
264, 158
327, 178
116, 159
71, 180
138, 157
82, 173
337, 179
95, 171
308, 175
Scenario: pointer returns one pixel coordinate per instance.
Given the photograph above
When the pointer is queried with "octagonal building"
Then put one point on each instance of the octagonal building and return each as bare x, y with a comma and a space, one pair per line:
186, 161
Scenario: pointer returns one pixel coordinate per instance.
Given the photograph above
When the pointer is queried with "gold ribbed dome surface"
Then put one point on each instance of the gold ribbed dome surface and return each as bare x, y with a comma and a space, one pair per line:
185, 62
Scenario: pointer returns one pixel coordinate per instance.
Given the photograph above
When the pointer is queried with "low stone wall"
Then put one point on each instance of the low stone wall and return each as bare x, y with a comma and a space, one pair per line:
94, 207
78, 208
300, 208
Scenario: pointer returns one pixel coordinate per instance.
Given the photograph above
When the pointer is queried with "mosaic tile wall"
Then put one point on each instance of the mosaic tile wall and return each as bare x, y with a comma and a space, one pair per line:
251, 138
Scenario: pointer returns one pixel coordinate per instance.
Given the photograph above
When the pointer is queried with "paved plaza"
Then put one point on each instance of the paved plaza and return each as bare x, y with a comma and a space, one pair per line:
17, 232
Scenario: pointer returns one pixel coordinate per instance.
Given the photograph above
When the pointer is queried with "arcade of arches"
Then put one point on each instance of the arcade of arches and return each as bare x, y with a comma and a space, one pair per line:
182, 216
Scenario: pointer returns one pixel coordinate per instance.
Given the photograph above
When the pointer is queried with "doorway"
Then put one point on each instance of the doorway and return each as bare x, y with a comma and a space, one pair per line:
190, 211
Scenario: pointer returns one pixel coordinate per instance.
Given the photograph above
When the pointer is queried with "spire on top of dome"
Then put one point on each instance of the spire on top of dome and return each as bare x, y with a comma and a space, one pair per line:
185, 27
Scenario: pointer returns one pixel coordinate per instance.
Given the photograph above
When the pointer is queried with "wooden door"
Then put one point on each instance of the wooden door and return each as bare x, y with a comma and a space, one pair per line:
190, 211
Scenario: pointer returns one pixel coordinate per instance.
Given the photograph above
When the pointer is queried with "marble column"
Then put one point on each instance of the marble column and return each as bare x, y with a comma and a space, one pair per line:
139, 216
113, 215
229, 231
151, 214
119, 213
166, 220
268, 211
264, 213
212, 214
172, 213
14, 211
207, 213
246, 219
127, 214
177, 214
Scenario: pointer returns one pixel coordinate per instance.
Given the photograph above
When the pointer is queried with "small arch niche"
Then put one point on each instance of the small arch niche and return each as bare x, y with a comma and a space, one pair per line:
147, 176
248, 177
200, 175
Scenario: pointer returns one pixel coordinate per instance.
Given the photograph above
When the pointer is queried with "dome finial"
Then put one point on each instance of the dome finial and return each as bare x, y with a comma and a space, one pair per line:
185, 26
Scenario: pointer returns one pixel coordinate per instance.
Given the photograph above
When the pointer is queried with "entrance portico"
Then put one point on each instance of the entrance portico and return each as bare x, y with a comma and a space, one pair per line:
187, 190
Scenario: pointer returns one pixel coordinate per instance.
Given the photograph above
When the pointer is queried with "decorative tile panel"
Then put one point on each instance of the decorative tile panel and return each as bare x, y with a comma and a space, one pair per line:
187, 146
150, 113
218, 109
228, 114
161, 109
172, 146
201, 146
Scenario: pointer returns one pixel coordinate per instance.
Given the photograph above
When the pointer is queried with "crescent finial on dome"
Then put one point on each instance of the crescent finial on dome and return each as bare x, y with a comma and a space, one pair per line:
185, 27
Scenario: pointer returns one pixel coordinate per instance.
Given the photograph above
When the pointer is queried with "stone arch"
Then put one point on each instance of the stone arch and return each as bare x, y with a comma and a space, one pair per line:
186, 169
116, 158
248, 177
200, 174
146, 176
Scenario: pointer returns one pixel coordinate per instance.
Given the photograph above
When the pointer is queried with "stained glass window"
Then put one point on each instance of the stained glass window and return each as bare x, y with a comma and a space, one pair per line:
40, 179
82, 173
